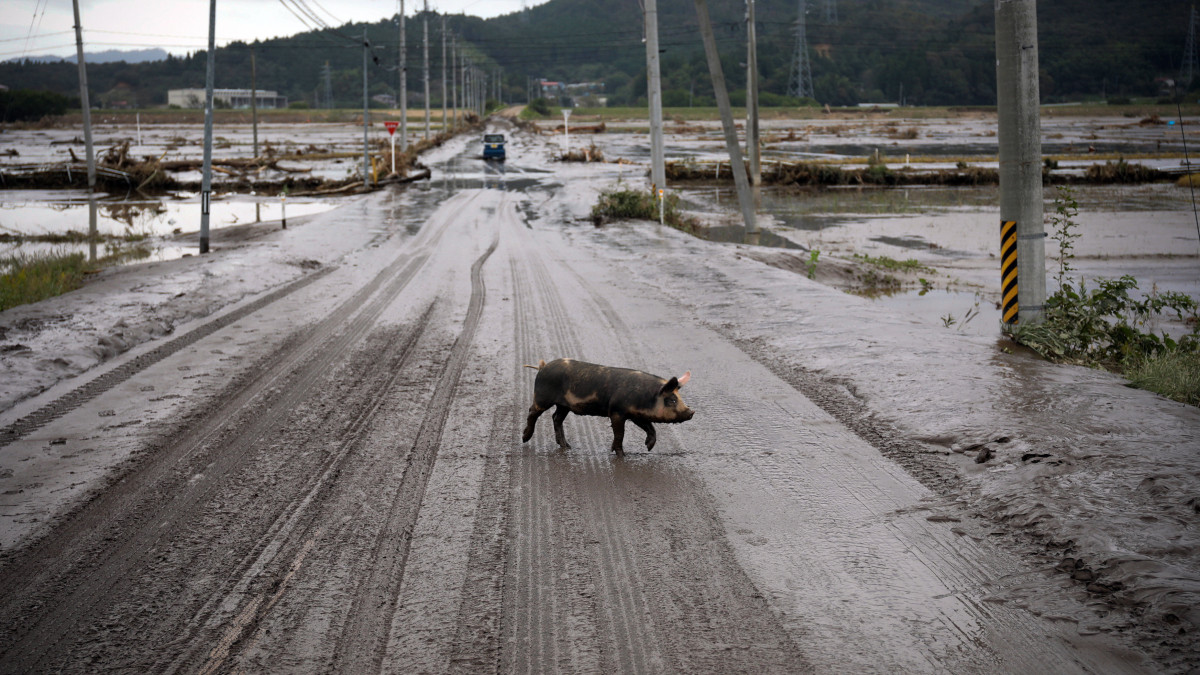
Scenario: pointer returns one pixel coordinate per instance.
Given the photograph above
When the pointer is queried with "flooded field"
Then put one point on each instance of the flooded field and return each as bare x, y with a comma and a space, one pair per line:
40, 221
951, 233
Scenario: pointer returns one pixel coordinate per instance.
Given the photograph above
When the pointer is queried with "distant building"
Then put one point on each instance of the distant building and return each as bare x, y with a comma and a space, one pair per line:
234, 98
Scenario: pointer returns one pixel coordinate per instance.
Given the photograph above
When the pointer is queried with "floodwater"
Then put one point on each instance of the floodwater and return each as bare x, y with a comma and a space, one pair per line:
151, 224
1146, 231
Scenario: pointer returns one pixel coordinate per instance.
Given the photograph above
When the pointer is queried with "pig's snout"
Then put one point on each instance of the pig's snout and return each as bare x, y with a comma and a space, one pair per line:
686, 414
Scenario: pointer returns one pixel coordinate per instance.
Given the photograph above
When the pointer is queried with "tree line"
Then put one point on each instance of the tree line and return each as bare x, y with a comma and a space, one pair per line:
918, 52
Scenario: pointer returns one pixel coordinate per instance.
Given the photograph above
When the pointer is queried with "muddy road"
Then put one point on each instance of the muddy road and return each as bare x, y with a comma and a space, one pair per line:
329, 477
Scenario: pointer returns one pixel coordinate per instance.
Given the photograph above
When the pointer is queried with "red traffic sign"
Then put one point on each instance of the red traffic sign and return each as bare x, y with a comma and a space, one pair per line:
391, 126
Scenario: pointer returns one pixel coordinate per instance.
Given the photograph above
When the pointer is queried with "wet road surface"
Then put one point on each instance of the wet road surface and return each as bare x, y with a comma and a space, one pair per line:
344, 487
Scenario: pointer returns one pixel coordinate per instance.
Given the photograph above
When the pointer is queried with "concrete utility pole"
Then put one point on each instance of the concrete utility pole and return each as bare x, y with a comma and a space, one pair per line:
403, 86
445, 116
745, 200
752, 96
254, 100
454, 81
366, 115
658, 171
425, 21
206, 174
1020, 140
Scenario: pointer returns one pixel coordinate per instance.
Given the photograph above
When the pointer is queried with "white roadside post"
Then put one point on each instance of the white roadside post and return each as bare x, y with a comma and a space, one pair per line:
566, 131
662, 218
391, 127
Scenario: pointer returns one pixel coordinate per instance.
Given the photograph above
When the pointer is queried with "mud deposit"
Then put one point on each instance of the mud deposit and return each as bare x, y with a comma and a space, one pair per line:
314, 462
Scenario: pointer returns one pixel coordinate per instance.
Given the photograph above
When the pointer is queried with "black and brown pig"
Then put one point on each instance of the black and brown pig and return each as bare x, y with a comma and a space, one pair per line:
616, 393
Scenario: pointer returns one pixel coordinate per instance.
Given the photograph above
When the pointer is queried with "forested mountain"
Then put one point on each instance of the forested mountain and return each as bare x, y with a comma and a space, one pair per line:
928, 52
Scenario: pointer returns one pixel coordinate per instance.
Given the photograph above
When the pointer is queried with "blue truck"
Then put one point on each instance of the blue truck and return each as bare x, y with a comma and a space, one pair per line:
493, 146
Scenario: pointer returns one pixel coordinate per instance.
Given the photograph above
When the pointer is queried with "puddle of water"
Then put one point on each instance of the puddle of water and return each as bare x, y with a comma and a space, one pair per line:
954, 310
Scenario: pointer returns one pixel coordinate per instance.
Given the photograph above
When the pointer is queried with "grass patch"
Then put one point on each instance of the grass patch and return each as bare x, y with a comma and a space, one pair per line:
1175, 375
640, 205
910, 265
30, 278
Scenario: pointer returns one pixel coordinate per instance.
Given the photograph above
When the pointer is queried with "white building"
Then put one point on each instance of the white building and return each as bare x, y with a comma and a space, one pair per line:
234, 98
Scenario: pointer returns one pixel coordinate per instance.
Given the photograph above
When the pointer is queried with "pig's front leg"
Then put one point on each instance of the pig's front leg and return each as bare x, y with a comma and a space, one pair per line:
560, 414
618, 425
534, 413
651, 437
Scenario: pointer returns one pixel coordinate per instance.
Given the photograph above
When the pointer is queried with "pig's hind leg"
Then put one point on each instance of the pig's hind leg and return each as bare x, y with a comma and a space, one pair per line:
618, 425
560, 414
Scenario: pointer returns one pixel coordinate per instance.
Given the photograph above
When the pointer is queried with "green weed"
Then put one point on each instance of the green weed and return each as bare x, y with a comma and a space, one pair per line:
30, 278
1107, 327
640, 205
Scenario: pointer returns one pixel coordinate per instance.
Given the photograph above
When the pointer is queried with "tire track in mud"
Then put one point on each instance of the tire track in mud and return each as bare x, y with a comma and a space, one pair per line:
610, 565
363, 642
293, 532
98, 571
97, 386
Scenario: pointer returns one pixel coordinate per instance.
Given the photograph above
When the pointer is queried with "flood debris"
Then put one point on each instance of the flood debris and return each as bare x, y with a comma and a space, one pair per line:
272, 172
879, 174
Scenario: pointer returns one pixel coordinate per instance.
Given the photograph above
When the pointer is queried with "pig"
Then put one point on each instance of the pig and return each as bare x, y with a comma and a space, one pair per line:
616, 393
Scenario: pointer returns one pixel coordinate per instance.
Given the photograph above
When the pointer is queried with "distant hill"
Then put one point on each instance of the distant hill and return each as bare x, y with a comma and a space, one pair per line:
106, 56
930, 52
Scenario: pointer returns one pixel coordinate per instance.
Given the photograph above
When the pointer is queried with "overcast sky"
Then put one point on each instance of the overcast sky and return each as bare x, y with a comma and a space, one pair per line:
39, 27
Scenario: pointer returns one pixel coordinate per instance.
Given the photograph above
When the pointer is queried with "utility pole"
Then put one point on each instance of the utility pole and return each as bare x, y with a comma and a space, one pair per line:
454, 81
1019, 136
366, 116
403, 86
444, 111
1188, 71
731, 142
658, 171
752, 154
425, 21
206, 173
254, 100
83, 99
328, 73
800, 84
87, 132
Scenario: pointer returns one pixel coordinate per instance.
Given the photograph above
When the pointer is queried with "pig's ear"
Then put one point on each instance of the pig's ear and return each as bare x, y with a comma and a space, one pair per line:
683, 379
671, 385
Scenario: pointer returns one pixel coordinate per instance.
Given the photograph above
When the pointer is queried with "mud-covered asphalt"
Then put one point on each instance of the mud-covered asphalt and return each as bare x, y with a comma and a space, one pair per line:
328, 477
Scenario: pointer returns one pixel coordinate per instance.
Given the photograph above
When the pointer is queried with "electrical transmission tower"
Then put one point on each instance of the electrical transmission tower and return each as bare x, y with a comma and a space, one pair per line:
1188, 71
831, 16
800, 84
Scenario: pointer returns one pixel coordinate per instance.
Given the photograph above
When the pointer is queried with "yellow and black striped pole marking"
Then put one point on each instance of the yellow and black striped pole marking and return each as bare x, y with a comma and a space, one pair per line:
1008, 270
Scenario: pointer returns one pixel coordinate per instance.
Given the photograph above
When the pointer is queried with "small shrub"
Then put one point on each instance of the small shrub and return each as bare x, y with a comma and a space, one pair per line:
639, 205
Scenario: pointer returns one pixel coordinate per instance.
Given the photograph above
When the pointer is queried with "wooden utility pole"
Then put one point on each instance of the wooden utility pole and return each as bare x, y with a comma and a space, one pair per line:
745, 200
1020, 145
